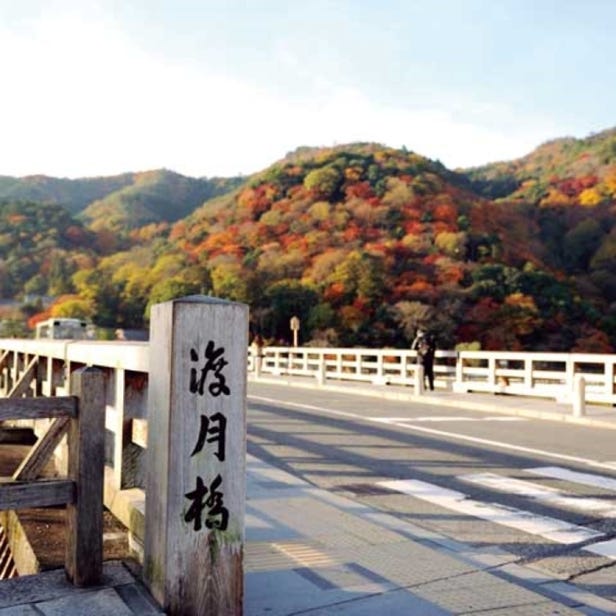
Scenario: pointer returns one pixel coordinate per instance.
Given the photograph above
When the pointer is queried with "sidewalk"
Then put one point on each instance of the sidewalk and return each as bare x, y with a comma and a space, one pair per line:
309, 551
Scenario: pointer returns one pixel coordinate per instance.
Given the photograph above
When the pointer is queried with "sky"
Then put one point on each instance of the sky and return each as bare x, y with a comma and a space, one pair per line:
220, 88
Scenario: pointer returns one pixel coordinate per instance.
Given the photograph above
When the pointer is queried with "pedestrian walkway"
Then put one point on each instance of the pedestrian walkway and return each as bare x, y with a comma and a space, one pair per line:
597, 415
119, 594
309, 551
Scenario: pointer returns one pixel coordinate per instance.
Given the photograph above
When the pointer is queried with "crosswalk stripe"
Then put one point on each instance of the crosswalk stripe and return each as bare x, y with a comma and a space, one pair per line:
603, 548
544, 526
587, 479
544, 494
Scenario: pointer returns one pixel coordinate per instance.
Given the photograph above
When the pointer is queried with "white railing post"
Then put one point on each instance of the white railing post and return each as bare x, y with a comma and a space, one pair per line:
419, 379
608, 368
528, 373
579, 395
196, 456
379, 377
276, 369
492, 371
121, 435
321, 370
457, 385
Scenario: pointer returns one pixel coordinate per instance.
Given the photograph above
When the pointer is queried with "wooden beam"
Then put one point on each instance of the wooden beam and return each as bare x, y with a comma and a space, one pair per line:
195, 486
86, 461
140, 432
37, 408
21, 387
42, 450
41, 493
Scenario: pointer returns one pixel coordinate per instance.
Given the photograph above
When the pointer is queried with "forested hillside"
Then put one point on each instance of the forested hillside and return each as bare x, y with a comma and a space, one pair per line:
152, 197
73, 195
364, 243
130, 199
41, 247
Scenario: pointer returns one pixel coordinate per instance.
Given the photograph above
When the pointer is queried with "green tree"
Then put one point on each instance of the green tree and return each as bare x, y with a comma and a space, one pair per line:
169, 289
288, 298
324, 181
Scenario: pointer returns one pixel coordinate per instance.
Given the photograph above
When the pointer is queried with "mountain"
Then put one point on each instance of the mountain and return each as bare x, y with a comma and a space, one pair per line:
153, 197
119, 203
560, 172
74, 195
365, 243
571, 186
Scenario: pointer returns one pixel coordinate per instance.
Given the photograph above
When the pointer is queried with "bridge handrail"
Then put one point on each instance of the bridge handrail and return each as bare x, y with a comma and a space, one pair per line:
575, 378
518, 373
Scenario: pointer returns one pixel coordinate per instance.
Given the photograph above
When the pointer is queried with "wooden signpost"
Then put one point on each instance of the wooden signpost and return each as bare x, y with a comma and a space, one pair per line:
294, 325
195, 490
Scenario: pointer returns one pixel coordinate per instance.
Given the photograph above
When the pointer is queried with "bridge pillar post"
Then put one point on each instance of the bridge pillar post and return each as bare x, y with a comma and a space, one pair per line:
579, 395
419, 380
196, 456
321, 370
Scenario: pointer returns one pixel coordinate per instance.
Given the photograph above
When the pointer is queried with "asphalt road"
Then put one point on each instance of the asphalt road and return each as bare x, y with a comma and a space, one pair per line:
543, 491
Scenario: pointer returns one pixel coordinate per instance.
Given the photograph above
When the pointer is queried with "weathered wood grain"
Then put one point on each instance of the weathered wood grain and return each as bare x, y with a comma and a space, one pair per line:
22, 385
41, 493
42, 450
86, 447
37, 408
193, 551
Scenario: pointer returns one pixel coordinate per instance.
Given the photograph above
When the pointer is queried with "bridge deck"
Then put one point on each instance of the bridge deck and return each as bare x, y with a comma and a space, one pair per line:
598, 415
49, 592
287, 548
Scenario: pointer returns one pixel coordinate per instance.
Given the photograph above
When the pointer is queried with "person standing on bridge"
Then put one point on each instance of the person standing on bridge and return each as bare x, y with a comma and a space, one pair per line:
425, 345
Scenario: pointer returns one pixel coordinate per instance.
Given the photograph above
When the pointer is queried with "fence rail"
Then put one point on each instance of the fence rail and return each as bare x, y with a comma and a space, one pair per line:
552, 375
80, 417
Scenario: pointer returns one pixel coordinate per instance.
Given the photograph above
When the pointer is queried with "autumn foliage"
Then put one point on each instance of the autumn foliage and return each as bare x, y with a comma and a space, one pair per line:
362, 242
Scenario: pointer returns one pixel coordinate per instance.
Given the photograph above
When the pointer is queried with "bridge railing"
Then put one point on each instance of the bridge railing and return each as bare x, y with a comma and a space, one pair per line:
377, 366
43, 368
551, 375
80, 418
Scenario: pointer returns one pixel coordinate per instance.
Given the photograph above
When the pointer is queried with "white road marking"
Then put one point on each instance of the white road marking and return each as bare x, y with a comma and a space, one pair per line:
434, 431
587, 479
544, 526
544, 494
603, 548
437, 418
550, 528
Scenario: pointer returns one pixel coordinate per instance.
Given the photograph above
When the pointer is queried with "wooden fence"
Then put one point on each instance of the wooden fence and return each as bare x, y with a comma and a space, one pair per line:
80, 418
